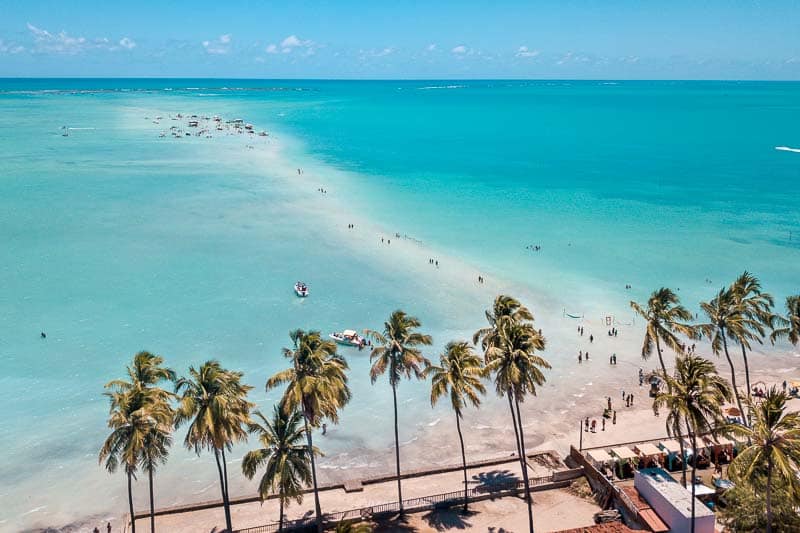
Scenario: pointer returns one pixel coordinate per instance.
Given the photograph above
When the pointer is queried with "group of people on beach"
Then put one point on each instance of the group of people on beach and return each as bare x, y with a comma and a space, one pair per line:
432, 261
613, 332
534, 248
108, 528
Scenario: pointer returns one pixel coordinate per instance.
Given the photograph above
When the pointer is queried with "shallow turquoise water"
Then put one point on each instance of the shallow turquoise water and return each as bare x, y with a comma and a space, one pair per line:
115, 240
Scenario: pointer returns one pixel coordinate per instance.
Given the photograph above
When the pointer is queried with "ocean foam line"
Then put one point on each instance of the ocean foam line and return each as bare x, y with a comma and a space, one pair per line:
787, 149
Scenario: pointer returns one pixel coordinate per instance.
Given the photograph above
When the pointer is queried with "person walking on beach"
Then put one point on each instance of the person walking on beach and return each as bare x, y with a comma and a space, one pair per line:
631, 399
587, 356
594, 426
591, 338
609, 403
614, 417
580, 357
603, 423
587, 423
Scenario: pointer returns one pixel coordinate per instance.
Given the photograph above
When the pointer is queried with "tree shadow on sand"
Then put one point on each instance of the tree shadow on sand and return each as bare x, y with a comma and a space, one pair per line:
394, 523
495, 480
444, 519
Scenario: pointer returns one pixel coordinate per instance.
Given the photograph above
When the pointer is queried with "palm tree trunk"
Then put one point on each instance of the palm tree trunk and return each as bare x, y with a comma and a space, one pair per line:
769, 494
280, 517
130, 502
747, 382
228, 524
528, 498
313, 475
660, 357
683, 458
733, 372
152, 511
694, 473
463, 459
225, 474
516, 431
397, 450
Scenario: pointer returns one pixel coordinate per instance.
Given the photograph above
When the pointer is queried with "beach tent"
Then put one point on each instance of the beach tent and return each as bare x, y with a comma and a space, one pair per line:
649, 451
717, 446
599, 457
673, 449
623, 455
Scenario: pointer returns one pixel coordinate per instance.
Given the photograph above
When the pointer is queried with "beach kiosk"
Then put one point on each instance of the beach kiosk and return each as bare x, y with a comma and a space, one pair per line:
625, 456
649, 454
673, 451
717, 446
601, 461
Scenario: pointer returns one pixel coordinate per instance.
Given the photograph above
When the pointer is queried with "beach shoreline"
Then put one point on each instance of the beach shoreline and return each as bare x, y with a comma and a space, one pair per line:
570, 395
452, 292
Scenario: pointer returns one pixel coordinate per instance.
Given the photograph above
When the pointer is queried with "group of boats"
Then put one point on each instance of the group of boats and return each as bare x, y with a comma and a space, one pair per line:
348, 337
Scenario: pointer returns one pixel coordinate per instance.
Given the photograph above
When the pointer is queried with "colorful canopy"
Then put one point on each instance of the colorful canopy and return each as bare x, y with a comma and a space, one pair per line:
623, 453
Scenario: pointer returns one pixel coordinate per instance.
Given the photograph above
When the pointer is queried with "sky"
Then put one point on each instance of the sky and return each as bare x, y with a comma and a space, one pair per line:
395, 39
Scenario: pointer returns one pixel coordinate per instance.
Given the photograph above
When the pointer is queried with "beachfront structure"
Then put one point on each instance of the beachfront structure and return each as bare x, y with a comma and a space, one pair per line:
672, 502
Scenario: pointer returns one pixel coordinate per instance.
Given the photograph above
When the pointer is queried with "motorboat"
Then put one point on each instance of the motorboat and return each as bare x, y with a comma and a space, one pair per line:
301, 289
348, 337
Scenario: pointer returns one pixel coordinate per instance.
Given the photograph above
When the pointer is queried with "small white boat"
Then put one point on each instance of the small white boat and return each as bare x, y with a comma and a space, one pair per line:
301, 289
348, 337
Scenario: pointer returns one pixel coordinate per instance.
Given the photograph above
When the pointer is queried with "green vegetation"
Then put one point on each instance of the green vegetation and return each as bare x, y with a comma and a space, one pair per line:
458, 375
213, 401
316, 385
397, 352
284, 458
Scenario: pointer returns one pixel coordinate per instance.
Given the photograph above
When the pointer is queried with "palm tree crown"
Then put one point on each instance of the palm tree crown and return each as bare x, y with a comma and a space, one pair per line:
665, 317
789, 327
513, 360
397, 348
504, 307
459, 375
283, 455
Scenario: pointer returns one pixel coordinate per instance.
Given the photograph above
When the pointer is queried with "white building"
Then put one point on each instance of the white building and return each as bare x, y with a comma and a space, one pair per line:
672, 502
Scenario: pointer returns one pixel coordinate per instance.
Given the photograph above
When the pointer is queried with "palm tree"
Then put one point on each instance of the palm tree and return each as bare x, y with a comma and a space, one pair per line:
145, 373
504, 308
790, 326
397, 351
129, 423
664, 316
726, 320
757, 309
774, 450
283, 456
458, 375
214, 402
316, 386
517, 371
695, 398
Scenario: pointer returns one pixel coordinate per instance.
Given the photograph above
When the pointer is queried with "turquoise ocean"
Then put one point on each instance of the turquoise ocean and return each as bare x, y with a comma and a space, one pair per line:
115, 239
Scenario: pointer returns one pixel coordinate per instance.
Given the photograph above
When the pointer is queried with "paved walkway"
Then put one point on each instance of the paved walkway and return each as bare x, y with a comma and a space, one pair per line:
333, 500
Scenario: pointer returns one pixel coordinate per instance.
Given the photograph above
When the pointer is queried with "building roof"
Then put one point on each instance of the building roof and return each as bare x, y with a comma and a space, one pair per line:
599, 456
623, 453
678, 496
671, 446
644, 511
648, 449
610, 527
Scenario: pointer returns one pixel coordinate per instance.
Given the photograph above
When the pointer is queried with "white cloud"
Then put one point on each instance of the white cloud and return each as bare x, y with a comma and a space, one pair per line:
127, 43
524, 51
293, 42
219, 46
64, 43
431, 47
10, 48
272, 49
460, 49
